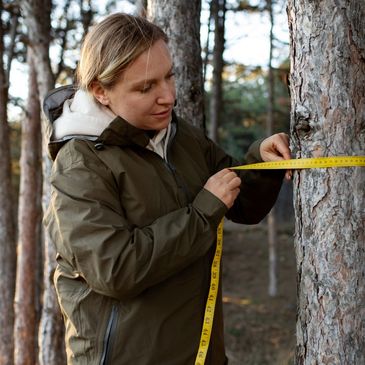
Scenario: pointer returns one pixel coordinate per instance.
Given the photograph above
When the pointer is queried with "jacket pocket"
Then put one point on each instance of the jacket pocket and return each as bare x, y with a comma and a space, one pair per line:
109, 336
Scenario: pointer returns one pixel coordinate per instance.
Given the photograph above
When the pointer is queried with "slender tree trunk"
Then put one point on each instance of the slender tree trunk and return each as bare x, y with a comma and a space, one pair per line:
271, 221
51, 329
207, 47
7, 229
272, 243
328, 119
216, 101
29, 214
182, 25
37, 18
142, 7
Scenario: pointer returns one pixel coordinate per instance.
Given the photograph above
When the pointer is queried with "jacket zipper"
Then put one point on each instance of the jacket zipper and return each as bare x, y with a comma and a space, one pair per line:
109, 335
179, 182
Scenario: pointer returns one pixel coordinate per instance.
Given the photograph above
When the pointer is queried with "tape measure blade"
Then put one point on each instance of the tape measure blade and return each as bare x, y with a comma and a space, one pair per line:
306, 163
211, 300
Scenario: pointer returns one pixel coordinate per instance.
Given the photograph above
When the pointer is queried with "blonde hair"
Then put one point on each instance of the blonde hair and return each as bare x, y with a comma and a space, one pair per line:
111, 46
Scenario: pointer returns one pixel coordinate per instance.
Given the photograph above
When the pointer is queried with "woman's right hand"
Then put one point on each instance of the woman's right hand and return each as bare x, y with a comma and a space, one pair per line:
225, 185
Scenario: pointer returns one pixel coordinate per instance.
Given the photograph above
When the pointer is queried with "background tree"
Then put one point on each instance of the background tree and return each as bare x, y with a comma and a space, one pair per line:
7, 226
328, 107
271, 219
37, 19
218, 9
29, 216
182, 25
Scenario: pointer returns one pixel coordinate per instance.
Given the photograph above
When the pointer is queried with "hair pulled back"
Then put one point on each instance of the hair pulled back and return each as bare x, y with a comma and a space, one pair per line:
111, 46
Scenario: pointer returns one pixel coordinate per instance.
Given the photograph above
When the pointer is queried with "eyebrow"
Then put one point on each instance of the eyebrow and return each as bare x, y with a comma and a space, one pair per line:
148, 81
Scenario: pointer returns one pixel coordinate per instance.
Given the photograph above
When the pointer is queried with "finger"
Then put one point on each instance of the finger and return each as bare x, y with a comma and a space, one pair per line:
283, 146
288, 175
229, 176
222, 173
280, 148
234, 183
236, 193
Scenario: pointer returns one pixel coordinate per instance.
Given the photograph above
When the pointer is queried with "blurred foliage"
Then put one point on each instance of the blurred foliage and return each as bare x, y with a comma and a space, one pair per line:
244, 111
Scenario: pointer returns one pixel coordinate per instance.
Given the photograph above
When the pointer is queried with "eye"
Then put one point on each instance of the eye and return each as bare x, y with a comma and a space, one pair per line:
171, 75
146, 88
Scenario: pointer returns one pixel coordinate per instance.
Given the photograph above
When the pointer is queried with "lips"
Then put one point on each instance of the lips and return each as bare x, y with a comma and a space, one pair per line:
162, 114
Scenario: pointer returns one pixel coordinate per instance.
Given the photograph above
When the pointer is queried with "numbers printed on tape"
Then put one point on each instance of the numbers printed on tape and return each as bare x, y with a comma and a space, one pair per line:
304, 163
212, 296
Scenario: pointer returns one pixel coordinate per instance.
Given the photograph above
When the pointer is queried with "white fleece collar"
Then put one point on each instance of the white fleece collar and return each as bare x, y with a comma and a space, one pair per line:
82, 115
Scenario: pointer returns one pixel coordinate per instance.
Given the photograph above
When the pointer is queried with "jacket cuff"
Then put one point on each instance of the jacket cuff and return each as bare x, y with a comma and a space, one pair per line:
210, 206
253, 154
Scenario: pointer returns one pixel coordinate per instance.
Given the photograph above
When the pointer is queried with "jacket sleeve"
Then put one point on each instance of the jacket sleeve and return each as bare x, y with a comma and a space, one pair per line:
86, 222
259, 188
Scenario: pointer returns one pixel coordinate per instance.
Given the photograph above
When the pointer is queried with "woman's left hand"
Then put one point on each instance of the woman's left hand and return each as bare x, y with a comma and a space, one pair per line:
275, 148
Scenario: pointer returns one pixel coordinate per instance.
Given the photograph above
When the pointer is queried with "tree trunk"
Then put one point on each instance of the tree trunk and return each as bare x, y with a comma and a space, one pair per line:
271, 221
272, 243
327, 119
141, 6
216, 101
37, 18
7, 229
207, 47
29, 215
51, 329
182, 25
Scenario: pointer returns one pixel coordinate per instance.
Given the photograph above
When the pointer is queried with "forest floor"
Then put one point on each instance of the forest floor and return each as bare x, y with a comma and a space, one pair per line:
259, 330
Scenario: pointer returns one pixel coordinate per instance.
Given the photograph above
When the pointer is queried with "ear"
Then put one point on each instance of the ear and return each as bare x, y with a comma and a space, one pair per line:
100, 93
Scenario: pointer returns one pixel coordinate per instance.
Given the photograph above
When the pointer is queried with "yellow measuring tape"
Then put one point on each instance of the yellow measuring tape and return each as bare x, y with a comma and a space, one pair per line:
212, 296
304, 163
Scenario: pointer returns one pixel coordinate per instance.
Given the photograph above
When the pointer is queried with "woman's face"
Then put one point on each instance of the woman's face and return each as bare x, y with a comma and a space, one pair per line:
145, 94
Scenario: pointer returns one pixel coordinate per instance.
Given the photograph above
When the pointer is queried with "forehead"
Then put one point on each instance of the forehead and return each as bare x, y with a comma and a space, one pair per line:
153, 63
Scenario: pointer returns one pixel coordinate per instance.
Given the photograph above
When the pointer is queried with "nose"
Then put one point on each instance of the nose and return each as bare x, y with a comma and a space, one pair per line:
167, 94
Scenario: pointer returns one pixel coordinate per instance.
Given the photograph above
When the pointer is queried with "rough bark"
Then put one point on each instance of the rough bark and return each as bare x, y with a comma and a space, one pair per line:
7, 230
216, 101
328, 119
51, 330
29, 214
271, 221
182, 25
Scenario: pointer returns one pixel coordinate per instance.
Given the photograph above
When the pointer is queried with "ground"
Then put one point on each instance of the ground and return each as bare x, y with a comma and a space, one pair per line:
259, 330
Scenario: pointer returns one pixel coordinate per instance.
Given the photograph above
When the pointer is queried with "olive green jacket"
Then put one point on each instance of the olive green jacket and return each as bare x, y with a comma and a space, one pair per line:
135, 237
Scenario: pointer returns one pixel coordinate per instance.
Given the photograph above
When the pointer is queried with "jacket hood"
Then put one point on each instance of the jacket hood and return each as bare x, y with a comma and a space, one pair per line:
82, 115
74, 114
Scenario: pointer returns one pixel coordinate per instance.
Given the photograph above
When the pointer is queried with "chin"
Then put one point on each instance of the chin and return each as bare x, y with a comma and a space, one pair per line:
160, 124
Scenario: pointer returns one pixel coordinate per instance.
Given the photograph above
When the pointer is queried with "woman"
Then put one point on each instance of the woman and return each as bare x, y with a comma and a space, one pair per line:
137, 195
